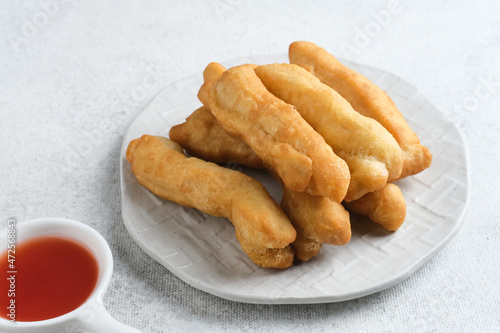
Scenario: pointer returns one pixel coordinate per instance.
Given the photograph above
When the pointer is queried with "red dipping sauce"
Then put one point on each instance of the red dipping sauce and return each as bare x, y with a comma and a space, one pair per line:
53, 276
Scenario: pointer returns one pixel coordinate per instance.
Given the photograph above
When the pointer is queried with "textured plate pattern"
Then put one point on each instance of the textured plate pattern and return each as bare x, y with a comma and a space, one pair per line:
203, 251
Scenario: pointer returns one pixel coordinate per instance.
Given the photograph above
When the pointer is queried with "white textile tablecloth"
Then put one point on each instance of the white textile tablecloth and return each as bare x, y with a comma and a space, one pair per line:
74, 74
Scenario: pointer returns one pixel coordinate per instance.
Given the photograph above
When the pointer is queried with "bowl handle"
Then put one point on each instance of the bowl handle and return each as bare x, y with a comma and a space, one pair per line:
97, 319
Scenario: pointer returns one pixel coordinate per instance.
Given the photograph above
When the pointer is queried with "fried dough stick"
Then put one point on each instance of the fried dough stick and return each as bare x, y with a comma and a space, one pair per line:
263, 230
386, 207
373, 156
366, 98
274, 130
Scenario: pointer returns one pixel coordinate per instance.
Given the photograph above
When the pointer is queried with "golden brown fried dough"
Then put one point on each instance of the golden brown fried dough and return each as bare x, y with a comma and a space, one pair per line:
317, 220
274, 130
371, 152
304, 246
203, 137
366, 98
263, 230
386, 207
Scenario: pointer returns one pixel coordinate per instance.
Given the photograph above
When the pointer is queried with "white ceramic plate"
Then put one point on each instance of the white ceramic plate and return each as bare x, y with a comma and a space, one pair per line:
203, 250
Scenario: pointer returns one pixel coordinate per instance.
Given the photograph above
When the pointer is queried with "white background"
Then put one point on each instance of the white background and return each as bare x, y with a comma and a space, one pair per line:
74, 74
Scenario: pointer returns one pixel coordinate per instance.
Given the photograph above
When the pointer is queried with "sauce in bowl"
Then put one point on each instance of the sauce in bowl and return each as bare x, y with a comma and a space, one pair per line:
49, 276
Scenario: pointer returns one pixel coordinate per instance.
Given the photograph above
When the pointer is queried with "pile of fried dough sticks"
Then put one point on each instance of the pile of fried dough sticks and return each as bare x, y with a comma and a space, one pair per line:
328, 135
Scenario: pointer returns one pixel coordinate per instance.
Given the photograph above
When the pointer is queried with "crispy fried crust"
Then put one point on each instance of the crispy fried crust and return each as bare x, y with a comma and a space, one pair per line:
386, 207
317, 220
203, 137
263, 230
274, 130
305, 247
366, 98
368, 148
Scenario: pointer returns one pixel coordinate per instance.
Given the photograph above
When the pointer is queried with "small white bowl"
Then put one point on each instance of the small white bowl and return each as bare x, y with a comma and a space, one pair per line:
91, 315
